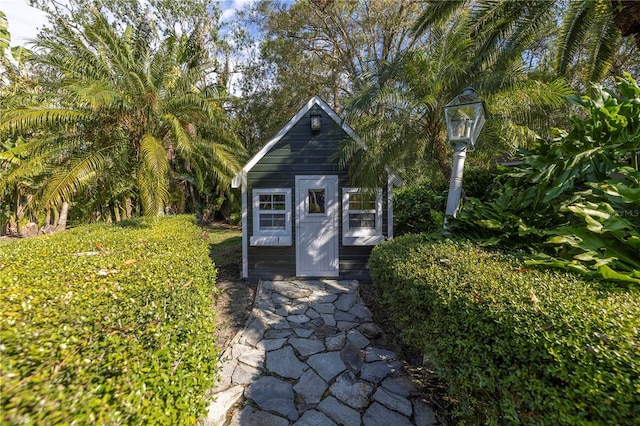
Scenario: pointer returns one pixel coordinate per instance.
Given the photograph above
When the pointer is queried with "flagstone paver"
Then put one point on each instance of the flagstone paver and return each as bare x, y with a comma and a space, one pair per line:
311, 387
314, 418
283, 362
327, 365
309, 355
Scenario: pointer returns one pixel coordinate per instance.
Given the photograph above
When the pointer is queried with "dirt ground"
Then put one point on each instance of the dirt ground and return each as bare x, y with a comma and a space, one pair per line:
235, 300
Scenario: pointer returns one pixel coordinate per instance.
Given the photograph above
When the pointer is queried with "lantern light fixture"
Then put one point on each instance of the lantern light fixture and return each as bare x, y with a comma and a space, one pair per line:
465, 116
316, 122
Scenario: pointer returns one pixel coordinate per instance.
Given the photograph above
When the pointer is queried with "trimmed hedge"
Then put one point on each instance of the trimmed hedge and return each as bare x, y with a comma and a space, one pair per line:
107, 324
515, 345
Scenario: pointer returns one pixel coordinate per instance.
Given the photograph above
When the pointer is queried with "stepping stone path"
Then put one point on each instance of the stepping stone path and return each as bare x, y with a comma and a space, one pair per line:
308, 356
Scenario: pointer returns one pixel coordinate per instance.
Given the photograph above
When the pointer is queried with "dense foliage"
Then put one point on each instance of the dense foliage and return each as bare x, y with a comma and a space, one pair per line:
420, 208
515, 345
122, 120
107, 324
391, 65
574, 201
125, 107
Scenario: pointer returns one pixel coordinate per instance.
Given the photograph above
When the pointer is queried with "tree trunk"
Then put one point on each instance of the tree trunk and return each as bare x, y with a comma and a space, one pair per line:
129, 207
194, 200
12, 226
47, 228
182, 200
19, 213
56, 218
62, 220
626, 16
440, 155
116, 211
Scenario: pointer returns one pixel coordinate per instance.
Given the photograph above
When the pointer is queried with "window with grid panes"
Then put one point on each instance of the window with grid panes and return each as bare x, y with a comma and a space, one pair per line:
362, 210
271, 216
361, 216
272, 211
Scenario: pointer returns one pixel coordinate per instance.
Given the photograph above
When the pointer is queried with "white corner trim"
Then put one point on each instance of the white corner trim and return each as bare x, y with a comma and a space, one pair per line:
245, 230
393, 179
239, 180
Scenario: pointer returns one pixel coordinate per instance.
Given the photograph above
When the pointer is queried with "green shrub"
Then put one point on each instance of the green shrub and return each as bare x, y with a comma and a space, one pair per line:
478, 182
418, 209
515, 345
107, 324
574, 201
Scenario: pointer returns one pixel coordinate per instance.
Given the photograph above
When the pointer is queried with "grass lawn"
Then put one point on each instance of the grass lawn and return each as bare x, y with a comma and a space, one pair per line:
225, 244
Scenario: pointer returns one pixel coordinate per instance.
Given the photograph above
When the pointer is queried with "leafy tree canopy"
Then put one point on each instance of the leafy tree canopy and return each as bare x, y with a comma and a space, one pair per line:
123, 117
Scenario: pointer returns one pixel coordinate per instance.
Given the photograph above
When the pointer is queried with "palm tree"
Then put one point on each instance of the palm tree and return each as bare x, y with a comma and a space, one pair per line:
14, 80
123, 111
589, 30
399, 108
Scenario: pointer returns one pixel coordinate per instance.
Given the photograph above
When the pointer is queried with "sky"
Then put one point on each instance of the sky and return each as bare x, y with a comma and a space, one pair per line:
25, 21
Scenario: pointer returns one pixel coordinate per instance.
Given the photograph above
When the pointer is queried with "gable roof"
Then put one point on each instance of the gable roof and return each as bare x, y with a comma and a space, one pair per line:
240, 178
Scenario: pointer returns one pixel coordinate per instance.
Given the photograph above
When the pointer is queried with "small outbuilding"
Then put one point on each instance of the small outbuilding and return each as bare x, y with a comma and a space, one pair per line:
301, 216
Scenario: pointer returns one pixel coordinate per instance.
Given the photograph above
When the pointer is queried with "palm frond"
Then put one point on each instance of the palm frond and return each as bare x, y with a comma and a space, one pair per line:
222, 161
66, 182
437, 13
572, 32
38, 117
179, 134
604, 42
153, 174
154, 155
97, 94
28, 170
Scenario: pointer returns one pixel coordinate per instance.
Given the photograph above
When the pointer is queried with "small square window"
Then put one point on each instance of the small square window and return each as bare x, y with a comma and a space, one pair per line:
316, 202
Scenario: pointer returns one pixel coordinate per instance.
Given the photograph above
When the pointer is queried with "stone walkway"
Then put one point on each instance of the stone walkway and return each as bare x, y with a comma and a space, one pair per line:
308, 356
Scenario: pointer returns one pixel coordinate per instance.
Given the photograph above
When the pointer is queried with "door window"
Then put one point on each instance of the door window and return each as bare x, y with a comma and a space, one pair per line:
316, 201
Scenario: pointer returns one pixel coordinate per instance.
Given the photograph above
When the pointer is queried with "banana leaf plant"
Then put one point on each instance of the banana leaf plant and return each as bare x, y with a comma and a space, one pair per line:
573, 202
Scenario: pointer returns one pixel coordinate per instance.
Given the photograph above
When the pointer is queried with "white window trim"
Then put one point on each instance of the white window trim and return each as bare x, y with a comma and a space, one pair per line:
271, 237
361, 237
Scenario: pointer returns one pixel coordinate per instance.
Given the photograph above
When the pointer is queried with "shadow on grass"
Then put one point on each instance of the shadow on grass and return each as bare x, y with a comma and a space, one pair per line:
227, 252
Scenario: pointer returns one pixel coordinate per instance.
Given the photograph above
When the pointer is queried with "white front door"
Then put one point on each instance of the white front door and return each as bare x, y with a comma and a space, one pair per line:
317, 226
